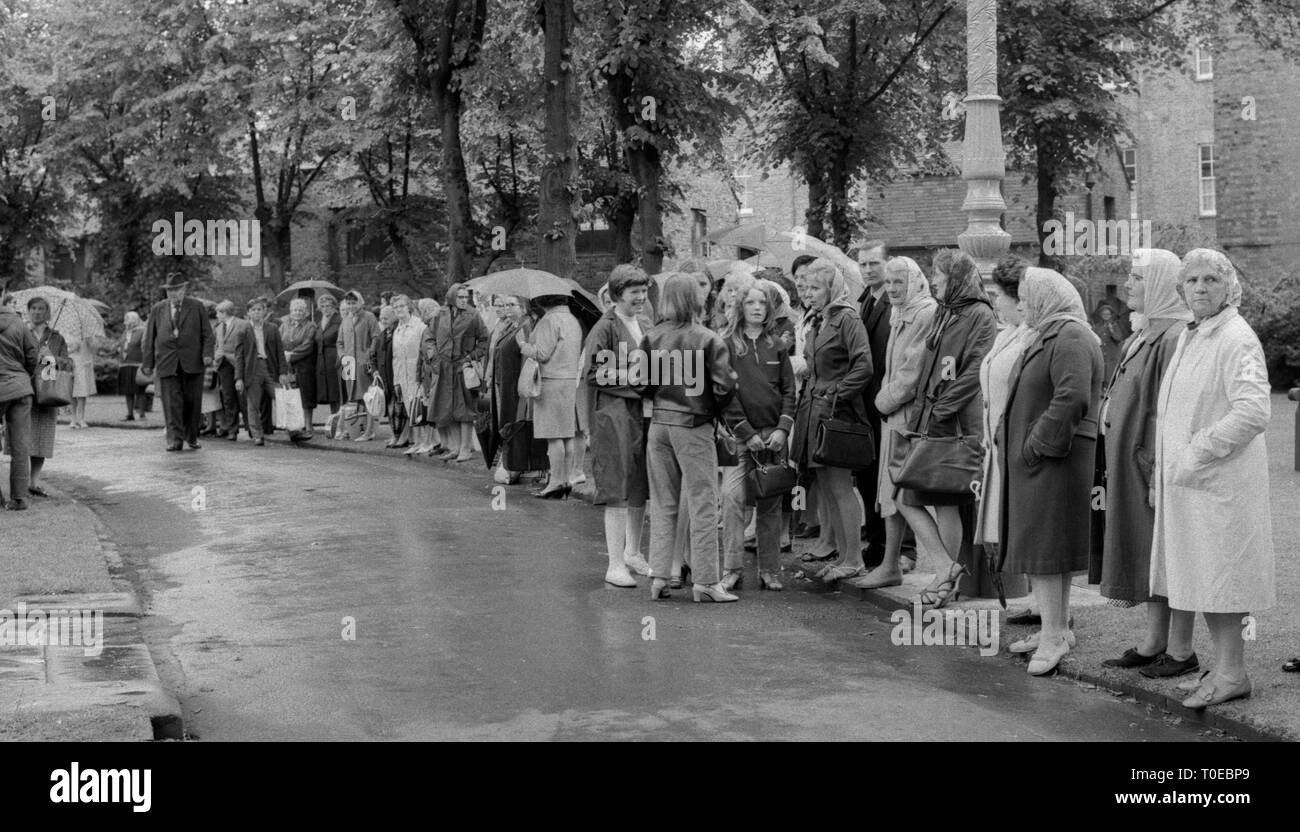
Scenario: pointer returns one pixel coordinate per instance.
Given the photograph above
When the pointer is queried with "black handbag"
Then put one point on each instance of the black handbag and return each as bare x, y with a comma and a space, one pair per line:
771, 479
51, 384
728, 453
939, 464
839, 443
398, 417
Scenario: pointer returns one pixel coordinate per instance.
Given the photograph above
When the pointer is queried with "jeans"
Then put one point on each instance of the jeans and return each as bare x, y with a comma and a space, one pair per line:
18, 428
682, 463
735, 514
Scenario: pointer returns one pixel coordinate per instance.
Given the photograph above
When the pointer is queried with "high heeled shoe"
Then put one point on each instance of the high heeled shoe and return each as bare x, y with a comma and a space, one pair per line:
769, 580
675, 582
558, 493
732, 579
659, 589
938, 597
713, 592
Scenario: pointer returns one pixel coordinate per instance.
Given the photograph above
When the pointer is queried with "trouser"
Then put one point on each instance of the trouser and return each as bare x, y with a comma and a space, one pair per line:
18, 433
682, 465
182, 398
230, 405
735, 488
259, 392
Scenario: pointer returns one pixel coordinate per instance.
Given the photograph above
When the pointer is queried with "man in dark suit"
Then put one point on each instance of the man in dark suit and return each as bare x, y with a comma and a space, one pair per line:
231, 362
875, 317
264, 368
178, 345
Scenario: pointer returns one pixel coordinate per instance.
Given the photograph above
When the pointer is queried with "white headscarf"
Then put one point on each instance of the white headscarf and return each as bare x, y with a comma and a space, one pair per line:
1048, 298
918, 289
1160, 271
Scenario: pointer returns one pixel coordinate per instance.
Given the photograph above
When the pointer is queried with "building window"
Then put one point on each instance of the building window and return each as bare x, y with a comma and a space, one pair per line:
699, 232
1131, 165
1204, 63
364, 248
743, 208
1108, 207
1208, 208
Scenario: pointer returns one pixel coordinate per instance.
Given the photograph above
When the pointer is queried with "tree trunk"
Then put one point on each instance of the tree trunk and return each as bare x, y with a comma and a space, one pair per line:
816, 205
644, 162
556, 223
455, 184
837, 185
1046, 202
621, 221
400, 250
275, 241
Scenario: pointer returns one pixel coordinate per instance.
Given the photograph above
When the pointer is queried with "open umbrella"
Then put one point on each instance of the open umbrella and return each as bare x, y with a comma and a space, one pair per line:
98, 304
70, 316
313, 286
751, 236
787, 246
527, 283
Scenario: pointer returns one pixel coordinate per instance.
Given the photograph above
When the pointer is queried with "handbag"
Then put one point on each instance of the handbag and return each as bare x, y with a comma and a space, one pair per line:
771, 479
727, 447
374, 398
352, 418
839, 443
939, 464
530, 379
417, 410
472, 372
143, 379
53, 386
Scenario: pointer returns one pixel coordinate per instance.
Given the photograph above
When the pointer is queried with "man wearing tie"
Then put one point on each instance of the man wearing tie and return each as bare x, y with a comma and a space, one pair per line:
178, 343
263, 368
875, 317
231, 362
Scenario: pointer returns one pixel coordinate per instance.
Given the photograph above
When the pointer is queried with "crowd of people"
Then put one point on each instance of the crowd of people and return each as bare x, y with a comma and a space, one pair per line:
934, 411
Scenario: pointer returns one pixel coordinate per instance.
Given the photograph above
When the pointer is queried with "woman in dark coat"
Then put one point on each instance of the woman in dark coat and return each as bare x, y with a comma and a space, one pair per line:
1128, 427
951, 405
299, 338
458, 338
44, 419
327, 352
838, 356
357, 332
381, 363
1049, 445
617, 417
519, 451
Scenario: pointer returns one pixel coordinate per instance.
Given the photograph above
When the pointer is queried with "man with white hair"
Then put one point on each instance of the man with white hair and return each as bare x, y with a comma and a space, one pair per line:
230, 361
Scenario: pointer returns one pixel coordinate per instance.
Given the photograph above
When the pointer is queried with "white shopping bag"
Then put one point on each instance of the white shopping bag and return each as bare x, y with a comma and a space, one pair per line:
287, 411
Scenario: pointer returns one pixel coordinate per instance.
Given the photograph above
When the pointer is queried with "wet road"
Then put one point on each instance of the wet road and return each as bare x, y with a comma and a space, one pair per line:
475, 623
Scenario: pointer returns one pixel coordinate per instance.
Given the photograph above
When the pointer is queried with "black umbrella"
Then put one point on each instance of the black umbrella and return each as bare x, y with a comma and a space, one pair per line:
488, 438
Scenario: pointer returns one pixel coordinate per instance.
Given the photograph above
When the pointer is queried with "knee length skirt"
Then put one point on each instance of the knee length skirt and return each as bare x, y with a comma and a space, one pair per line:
555, 414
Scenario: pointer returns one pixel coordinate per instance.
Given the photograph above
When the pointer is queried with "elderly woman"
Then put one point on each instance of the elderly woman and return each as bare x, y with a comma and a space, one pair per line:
357, 332
681, 456
430, 442
1048, 446
83, 379
555, 344
299, 338
995, 383
327, 352
407, 337
131, 355
838, 357
1212, 543
963, 330
458, 340
53, 350
210, 402
520, 452
911, 318
618, 423
1128, 427
761, 415
380, 362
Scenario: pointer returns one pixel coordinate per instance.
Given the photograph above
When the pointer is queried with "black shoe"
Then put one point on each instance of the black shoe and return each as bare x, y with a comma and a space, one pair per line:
17, 505
1166, 667
1132, 658
1025, 617
194, 446
804, 530
174, 446
37, 491
1292, 665
259, 442
129, 419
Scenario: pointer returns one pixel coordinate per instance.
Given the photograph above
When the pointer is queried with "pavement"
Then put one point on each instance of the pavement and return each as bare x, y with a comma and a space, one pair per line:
1272, 713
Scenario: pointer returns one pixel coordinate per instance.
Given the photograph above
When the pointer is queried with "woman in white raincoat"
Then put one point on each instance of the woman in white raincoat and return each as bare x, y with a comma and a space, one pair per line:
1212, 548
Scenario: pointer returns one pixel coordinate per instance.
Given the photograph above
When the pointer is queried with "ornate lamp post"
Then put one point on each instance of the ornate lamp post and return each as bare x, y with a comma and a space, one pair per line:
983, 160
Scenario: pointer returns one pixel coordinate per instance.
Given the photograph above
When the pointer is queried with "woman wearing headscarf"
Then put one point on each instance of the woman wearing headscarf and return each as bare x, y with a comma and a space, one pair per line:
950, 405
995, 382
1048, 445
381, 367
838, 357
431, 444
327, 352
298, 336
1212, 543
53, 351
357, 332
1128, 427
618, 419
911, 319
520, 452
408, 335
132, 355
457, 340
681, 454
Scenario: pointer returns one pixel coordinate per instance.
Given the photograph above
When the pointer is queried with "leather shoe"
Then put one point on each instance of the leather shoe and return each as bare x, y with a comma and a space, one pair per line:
174, 446
259, 441
17, 505
1166, 667
1132, 658
1292, 665
194, 446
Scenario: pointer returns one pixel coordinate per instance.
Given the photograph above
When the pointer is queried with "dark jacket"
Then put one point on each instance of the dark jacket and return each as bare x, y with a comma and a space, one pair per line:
230, 348
764, 397
839, 370
300, 345
1048, 446
18, 356
166, 354
133, 347
275, 366
875, 319
615, 417
678, 404
381, 361
950, 397
327, 360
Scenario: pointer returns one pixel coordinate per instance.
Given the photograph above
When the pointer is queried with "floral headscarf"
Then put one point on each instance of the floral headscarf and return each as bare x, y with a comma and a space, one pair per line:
1048, 298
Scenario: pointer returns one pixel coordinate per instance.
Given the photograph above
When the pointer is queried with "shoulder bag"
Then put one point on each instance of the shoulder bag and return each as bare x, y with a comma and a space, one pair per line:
839, 443
939, 464
530, 379
53, 386
771, 479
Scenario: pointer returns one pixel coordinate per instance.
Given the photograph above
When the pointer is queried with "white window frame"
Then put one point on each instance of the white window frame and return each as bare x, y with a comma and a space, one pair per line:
1201, 55
1206, 183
